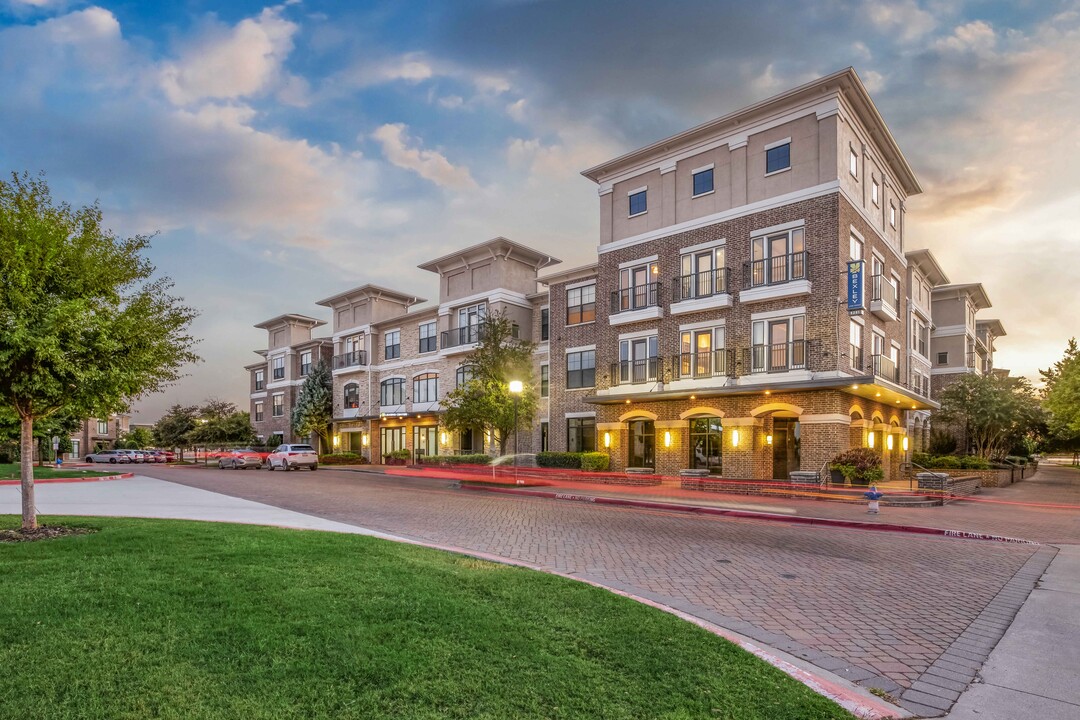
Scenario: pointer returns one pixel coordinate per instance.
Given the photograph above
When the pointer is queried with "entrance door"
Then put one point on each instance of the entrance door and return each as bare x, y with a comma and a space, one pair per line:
706, 444
785, 447
424, 442
642, 444
392, 438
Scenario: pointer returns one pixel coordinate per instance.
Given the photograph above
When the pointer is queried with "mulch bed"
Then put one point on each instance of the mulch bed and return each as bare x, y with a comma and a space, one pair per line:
44, 532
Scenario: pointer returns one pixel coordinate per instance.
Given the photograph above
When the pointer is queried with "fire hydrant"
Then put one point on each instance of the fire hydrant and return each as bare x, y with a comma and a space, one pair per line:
873, 495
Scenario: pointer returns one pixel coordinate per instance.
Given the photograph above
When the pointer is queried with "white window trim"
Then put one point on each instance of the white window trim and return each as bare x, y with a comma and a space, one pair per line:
703, 168
892, 215
638, 334
580, 348
777, 172
856, 233
392, 377
853, 155
572, 415
639, 261
703, 325
583, 283
710, 245
858, 320
777, 228
776, 314
635, 191
776, 144
875, 193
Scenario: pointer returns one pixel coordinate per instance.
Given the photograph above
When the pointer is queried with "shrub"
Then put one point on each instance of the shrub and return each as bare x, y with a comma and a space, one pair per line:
401, 454
860, 466
595, 461
974, 462
942, 442
1017, 459
342, 458
475, 459
924, 459
559, 459
945, 462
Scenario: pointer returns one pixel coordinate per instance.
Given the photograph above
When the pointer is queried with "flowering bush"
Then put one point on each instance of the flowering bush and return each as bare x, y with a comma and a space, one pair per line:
859, 466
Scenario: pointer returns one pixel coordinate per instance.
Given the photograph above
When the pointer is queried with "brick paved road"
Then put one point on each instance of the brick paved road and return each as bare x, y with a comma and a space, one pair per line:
886, 604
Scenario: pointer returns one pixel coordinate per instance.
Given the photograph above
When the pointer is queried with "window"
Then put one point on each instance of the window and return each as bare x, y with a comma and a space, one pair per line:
638, 287
392, 392
258, 412
894, 281
544, 441
855, 345
545, 323
277, 409
853, 163
469, 320
305, 363
778, 344
943, 358
581, 305
545, 378
892, 214
703, 182
778, 158
260, 379
875, 193
102, 427
425, 388
638, 204
427, 337
778, 258
464, 374
702, 274
278, 366
581, 434
706, 444
702, 353
392, 343
855, 248
581, 369
352, 396
637, 360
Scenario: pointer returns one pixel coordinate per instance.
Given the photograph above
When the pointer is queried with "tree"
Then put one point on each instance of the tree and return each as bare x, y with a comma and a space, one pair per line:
136, 439
485, 401
1061, 398
997, 412
220, 423
174, 428
59, 425
84, 327
314, 410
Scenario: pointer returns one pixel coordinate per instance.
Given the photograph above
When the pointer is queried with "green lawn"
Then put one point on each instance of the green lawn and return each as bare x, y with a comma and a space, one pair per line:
172, 619
10, 471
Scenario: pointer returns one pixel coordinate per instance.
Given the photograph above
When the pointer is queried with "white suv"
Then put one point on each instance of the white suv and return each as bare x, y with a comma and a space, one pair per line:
288, 457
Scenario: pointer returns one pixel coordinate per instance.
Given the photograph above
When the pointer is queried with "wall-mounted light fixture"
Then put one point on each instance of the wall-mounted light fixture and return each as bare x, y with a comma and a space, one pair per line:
734, 438
364, 439
768, 439
889, 441
667, 438
337, 440
870, 439
442, 437
607, 439
904, 443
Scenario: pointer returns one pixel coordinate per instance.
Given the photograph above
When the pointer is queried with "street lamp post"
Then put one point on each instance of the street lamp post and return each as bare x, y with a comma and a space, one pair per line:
515, 389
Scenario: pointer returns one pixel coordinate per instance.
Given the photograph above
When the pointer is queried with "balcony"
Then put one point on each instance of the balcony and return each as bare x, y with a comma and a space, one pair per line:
885, 368
776, 277
461, 337
355, 358
636, 372
632, 304
883, 298
706, 364
707, 290
855, 355
778, 357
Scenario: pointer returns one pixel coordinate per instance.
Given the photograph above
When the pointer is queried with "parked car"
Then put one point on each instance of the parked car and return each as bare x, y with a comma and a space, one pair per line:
167, 455
243, 459
109, 456
136, 456
288, 457
153, 456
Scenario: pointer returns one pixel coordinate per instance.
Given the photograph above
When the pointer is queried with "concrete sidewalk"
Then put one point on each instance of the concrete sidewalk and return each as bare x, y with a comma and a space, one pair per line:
1032, 673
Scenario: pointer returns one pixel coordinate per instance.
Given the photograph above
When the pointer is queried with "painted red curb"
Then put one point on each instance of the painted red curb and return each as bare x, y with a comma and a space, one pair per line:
121, 476
750, 514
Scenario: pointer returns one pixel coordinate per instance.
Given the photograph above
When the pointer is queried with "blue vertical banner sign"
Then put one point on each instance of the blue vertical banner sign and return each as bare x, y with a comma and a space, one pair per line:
855, 287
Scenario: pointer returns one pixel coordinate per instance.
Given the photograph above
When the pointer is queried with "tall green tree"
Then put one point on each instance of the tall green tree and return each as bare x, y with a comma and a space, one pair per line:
485, 401
314, 410
84, 326
136, 439
997, 412
1061, 398
220, 423
173, 430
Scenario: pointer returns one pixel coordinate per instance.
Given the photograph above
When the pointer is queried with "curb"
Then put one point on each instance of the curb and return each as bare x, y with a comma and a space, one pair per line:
752, 515
45, 481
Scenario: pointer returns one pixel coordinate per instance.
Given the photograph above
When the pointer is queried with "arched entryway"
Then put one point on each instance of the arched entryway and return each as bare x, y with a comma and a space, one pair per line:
786, 437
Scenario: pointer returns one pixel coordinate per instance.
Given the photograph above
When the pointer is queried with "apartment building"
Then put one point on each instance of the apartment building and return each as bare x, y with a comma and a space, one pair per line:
394, 359
97, 434
715, 332
275, 380
924, 275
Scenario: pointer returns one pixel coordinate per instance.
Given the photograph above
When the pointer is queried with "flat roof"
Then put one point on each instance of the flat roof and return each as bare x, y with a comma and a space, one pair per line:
291, 319
371, 291
582, 271
846, 80
495, 247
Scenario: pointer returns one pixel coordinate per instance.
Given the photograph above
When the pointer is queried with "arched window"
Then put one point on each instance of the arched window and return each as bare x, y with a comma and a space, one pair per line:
426, 388
352, 396
464, 374
392, 392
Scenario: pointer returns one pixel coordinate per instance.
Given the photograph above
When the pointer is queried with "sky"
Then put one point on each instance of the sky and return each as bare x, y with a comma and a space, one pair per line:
283, 153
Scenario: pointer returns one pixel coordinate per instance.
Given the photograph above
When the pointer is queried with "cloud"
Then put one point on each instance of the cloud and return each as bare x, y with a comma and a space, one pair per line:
428, 164
231, 63
903, 18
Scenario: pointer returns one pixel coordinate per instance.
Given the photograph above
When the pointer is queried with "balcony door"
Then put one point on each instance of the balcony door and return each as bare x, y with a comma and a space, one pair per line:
637, 287
701, 353
778, 345
638, 359
777, 258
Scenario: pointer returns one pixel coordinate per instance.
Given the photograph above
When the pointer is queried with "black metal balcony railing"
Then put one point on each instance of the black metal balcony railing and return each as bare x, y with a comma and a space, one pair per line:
279, 373
456, 337
353, 358
701, 284
260, 385
779, 357
777, 270
635, 298
881, 290
704, 364
636, 372
884, 367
